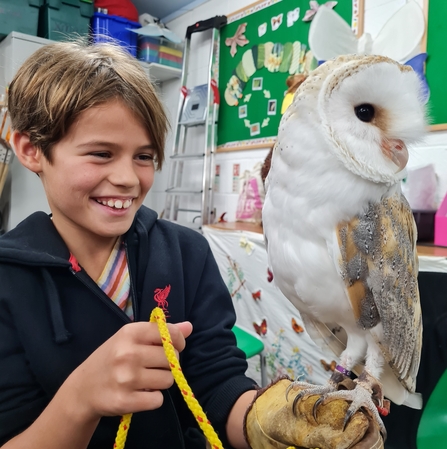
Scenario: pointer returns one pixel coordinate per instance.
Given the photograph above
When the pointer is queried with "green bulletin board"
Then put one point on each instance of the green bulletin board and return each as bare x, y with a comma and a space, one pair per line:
252, 83
436, 66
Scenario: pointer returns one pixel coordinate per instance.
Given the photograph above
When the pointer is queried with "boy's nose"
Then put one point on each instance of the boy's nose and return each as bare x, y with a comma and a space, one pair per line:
123, 174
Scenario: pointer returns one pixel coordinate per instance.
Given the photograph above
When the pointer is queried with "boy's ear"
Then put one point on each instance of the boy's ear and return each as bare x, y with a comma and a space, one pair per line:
29, 155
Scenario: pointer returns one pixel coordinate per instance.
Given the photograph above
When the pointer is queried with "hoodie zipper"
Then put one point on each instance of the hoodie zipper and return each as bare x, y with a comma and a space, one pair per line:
87, 281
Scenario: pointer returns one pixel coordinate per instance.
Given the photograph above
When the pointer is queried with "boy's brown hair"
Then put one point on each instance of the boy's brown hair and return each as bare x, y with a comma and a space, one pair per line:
62, 80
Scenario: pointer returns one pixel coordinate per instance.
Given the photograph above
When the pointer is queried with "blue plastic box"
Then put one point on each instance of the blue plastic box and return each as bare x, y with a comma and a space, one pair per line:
105, 26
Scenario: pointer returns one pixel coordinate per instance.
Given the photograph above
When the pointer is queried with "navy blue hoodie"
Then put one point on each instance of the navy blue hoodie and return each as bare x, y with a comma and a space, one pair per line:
53, 316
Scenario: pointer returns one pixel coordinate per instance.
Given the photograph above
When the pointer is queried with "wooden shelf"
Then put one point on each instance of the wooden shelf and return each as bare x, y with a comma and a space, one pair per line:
160, 72
423, 249
238, 226
432, 250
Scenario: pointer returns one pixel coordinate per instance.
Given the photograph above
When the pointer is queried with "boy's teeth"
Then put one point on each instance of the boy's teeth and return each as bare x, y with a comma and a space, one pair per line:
118, 204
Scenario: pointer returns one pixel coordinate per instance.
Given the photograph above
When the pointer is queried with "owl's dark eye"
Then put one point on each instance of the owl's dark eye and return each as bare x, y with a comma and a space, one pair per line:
365, 112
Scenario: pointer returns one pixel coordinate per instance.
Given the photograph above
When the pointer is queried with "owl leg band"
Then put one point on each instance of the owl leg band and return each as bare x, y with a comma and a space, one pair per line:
271, 422
342, 370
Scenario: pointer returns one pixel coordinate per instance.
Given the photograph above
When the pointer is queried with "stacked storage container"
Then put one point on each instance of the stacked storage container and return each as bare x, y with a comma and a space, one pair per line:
19, 15
170, 55
59, 20
148, 49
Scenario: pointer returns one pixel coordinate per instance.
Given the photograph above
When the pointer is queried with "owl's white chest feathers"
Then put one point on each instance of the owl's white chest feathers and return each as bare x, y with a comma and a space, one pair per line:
309, 193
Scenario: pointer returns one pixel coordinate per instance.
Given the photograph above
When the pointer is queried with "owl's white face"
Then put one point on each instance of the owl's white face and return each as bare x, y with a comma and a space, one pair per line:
371, 109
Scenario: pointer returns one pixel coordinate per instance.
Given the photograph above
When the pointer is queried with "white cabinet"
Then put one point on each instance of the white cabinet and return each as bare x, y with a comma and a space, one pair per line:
24, 191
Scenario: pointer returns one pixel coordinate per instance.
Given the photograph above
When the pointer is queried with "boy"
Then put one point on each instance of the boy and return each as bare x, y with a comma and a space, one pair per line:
77, 287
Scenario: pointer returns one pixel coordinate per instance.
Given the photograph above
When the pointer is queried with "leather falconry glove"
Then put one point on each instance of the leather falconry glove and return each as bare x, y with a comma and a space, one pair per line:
270, 422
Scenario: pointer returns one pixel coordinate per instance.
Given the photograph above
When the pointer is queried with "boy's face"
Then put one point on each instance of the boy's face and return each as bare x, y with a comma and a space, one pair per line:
100, 173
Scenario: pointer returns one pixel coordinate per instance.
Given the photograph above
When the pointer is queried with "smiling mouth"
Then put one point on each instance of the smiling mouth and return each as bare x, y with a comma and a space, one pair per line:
116, 204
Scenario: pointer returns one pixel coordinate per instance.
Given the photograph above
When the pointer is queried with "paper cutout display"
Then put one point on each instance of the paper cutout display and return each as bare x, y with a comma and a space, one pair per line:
278, 48
314, 7
238, 39
276, 21
293, 16
262, 29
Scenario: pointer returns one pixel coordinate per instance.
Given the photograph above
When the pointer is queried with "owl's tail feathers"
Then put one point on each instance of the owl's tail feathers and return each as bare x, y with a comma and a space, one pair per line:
414, 400
396, 392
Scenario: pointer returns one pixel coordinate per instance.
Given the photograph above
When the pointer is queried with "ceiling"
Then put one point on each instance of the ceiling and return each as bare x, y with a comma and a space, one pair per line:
165, 10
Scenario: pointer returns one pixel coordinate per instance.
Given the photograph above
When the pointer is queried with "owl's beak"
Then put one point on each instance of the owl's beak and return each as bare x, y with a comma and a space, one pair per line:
396, 151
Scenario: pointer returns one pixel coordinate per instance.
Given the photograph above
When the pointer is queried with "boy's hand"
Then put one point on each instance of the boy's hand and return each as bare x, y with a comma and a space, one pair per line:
126, 373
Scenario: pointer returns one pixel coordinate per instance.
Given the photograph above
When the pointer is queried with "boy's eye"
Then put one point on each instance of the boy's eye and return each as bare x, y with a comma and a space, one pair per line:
101, 154
146, 157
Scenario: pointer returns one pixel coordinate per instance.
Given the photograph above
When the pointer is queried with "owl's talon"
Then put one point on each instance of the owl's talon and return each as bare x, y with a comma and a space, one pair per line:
348, 417
309, 390
316, 405
295, 401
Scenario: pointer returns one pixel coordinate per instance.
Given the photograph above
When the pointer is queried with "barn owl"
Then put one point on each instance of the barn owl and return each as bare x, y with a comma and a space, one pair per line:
340, 236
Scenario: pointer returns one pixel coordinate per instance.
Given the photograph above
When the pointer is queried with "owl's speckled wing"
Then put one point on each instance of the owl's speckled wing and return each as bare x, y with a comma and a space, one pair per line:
379, 265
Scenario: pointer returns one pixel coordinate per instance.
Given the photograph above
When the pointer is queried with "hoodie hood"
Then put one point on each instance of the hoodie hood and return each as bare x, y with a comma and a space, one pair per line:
36, 242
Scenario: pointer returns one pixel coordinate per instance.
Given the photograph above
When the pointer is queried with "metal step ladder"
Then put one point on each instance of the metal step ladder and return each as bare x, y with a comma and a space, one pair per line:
191, 203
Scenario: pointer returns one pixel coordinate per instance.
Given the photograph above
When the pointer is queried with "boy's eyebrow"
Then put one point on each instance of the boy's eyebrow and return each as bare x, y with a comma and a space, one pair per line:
104, 143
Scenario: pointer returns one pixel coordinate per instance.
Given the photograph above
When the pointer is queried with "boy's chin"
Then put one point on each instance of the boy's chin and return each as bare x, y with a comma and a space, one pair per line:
112, 230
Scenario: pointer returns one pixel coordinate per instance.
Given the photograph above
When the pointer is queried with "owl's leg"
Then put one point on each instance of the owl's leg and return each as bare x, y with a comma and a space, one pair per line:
307, 389
354, 352
367, 392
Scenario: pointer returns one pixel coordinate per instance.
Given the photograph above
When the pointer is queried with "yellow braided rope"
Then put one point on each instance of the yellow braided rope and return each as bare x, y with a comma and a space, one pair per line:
157, 316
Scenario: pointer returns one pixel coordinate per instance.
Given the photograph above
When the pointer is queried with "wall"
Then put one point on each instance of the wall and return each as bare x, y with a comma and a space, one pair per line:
433, 150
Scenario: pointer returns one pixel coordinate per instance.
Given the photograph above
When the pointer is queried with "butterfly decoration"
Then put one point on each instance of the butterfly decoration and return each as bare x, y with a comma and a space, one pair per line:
247, 245
247, 98
296, 327
262, 328
247, 123
269, 275
265, 122
314, 6
267, 93
262, 29
276, 21
293, 16
408, 22
238, 39
256, 295
417, 63
329, 366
